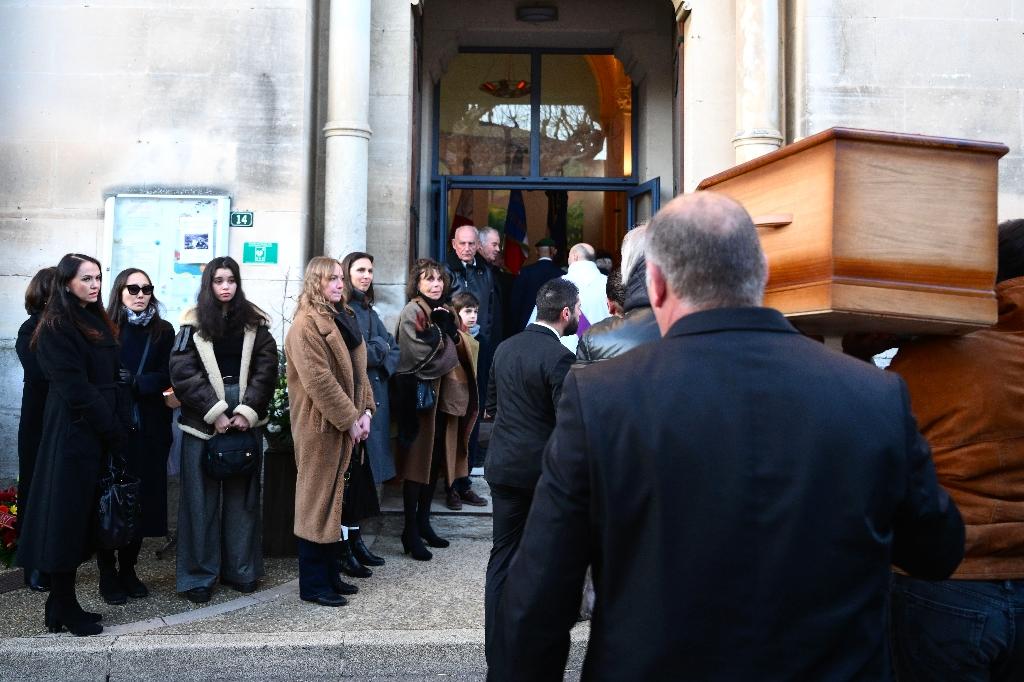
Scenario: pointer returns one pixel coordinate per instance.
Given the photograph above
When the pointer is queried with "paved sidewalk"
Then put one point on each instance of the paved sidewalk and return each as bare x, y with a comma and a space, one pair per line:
411, 620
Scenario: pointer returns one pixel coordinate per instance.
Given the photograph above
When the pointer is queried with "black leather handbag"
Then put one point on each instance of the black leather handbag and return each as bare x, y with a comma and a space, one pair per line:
231, 454
425, 396
118, 512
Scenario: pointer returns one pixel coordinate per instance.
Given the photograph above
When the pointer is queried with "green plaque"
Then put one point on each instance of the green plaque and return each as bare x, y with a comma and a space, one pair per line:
261, 253
241, 219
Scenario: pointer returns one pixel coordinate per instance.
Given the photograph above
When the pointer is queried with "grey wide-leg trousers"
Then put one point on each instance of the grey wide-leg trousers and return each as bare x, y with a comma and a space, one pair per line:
219, 527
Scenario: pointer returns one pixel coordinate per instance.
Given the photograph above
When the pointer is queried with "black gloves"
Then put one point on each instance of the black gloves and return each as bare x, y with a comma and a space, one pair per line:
126, 377
445, 321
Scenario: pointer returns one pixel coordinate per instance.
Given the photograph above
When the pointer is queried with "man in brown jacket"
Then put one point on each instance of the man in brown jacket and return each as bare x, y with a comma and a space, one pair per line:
968, 395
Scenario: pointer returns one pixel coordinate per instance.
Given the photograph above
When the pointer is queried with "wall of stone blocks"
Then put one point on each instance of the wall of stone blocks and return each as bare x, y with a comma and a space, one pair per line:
183, 97
938, 67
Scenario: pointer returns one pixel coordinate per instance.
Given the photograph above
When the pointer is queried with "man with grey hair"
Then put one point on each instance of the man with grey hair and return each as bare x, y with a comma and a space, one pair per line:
614, 336
740, 490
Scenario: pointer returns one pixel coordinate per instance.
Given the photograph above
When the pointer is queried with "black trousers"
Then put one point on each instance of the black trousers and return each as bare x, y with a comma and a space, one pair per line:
511, 506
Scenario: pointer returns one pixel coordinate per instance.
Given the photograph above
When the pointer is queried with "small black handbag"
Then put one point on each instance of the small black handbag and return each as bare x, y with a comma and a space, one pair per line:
118, 512
231, 454
425, 396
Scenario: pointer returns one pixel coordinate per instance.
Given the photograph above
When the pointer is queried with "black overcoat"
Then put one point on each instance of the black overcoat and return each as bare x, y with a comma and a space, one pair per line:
80, 425
741, 493
147, 448
33, 400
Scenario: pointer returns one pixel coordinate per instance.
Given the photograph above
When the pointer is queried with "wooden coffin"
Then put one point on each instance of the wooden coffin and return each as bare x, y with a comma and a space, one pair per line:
868, 231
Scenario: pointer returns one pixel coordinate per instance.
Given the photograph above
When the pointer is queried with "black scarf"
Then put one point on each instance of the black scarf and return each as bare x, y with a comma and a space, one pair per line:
349, 328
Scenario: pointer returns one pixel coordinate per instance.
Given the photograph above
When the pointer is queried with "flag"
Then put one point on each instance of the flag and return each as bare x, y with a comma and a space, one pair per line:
515, 231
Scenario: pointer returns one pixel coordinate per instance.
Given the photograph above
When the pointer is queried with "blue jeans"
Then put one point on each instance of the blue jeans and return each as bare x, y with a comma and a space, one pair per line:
963, 630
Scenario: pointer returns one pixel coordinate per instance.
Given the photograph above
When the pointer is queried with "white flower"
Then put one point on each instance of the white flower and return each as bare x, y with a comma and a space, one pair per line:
273, 428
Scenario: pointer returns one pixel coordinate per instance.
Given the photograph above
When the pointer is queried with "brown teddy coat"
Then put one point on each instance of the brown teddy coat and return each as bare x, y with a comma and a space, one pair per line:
323, 376
456, 392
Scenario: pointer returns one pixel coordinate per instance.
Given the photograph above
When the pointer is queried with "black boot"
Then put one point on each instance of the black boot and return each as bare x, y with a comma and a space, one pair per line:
334, 569
63, 611
349, 564
423, 518
127, 557
361, 552
411, 542
110, 586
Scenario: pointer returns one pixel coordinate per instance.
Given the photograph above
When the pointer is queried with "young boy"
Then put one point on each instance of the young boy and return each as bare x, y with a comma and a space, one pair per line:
467, 307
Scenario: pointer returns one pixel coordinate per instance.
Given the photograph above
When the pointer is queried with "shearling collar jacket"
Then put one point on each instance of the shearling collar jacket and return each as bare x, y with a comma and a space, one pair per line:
967, 393
199, 384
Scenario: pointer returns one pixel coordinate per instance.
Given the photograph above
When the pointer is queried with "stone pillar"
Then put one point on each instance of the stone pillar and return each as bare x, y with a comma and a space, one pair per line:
758, 79
348, 127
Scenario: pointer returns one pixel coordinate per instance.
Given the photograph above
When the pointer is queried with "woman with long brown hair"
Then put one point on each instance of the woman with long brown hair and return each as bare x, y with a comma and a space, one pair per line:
435, 362
33, 402
331, 404
76, 345
224, 369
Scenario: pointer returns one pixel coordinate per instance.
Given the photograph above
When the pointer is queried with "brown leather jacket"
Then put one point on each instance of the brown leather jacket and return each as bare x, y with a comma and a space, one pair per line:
968, 396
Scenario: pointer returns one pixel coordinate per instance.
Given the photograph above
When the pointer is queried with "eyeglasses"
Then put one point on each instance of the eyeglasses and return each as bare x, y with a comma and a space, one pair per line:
134, 289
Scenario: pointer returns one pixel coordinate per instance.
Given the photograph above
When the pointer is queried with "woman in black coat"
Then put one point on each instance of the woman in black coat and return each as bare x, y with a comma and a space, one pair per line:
76, 345
33, 400
382, 356
145, 351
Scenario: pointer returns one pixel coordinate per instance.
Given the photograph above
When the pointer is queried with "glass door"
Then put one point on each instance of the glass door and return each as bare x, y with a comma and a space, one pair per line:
642, 202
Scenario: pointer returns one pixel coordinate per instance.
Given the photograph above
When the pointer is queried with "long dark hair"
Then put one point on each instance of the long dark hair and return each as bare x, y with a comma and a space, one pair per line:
346, 270
115, 307
216, 322
38, 290
61, 305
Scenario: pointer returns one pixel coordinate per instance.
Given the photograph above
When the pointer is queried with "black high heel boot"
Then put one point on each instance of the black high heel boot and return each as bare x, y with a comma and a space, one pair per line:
361, 552
127, 557
63, 611
350, 566
110, 586
426, 496
411, 542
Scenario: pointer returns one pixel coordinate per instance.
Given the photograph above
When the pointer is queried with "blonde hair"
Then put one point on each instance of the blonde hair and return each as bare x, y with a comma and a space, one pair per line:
318, 270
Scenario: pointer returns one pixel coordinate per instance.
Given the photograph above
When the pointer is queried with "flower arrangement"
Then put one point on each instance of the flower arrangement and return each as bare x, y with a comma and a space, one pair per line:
8, 525
279, 419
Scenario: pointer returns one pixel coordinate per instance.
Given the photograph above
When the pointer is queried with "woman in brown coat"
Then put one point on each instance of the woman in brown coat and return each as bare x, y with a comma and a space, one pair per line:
331, 403
434, 355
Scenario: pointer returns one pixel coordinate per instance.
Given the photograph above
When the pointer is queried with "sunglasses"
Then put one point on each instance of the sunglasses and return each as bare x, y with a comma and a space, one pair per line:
134, 289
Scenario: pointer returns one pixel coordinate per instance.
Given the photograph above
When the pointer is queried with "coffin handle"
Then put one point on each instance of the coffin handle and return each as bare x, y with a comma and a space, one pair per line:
773, 220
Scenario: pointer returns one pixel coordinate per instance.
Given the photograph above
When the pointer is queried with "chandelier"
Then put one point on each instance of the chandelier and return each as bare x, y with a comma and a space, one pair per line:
507, 87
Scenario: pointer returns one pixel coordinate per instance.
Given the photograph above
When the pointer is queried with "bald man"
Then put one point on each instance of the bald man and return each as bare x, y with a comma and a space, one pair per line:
588, 279
740, 490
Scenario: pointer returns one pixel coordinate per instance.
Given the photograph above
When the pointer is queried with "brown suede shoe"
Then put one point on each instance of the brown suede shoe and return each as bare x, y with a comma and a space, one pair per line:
453, 501
471, 498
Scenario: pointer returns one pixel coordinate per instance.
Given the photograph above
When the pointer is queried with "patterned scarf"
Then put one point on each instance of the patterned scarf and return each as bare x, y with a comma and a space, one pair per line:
140, 319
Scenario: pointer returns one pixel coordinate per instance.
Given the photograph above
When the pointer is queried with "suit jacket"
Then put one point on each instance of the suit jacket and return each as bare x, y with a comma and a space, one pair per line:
741, 510
525, 288
526, 381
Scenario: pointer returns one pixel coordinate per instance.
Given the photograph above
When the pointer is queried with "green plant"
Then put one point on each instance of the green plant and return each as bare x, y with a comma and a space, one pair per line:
279, 418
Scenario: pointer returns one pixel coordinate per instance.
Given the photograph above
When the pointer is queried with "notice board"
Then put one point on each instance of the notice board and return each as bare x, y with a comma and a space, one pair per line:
169, 236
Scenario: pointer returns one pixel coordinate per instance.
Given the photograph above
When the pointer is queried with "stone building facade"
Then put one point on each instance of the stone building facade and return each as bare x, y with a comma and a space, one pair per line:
326, 120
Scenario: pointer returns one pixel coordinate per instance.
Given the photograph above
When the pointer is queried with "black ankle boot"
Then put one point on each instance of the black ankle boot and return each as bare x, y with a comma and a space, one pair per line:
127, 558
350, 566
110, 587
360, 551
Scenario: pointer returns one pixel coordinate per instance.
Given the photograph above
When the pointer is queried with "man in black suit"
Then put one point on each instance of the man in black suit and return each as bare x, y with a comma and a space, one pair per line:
529, 281
740, 490
526, 380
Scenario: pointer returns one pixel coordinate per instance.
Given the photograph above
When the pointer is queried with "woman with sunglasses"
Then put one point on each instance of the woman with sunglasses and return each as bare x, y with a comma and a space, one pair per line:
146, 341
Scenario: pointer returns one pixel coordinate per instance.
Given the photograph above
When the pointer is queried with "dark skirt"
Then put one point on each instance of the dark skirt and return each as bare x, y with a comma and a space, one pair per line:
360, 490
